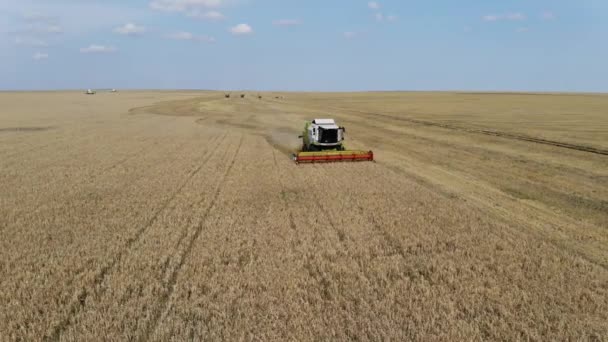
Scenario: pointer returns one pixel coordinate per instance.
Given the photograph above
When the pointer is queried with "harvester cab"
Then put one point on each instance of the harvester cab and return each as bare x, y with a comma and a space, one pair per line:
323, 141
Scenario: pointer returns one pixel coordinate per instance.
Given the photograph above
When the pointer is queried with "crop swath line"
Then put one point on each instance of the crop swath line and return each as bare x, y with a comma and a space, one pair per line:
129, 157
515, 223
506, 135
78, 305
94, 176
164, 308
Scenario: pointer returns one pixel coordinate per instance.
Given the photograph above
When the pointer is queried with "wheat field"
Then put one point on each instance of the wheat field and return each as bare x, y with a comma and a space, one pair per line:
178, 215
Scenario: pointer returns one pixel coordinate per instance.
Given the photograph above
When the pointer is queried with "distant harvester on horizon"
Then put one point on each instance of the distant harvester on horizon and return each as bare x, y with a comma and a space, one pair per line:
90, 92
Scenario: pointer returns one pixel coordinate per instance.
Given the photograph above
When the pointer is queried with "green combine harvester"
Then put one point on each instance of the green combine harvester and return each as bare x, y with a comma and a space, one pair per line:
322, 142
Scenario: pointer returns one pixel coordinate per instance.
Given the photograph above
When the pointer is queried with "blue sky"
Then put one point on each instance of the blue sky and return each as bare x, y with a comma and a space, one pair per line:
543, 45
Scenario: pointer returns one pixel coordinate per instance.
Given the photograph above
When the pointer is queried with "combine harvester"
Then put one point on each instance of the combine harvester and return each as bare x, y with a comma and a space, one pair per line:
322, 142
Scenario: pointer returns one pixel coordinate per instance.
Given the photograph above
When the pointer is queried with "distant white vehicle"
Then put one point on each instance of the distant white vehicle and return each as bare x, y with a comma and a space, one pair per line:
90, 92
113, 90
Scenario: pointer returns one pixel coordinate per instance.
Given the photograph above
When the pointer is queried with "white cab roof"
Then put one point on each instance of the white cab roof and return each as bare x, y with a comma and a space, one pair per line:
324, 122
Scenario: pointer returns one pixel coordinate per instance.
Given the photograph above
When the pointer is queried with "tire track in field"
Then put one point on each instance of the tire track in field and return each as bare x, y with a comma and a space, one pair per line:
506, 135
308, 267
93, 177
311, 266
340, 233
519, 224
393, 242
213, 142
292, 223
498, 212
164, 308
129, 157
80, 270
166, 268
79, 304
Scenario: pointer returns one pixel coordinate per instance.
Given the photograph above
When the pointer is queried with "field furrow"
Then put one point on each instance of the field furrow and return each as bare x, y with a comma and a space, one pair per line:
171, 216
184, 251
141, 278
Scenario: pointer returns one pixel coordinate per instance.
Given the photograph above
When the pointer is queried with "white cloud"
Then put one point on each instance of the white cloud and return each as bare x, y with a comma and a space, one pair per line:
378, 15
180, 36
190, 37
94, 48
52, 29
241, 29
351, 34
208, 15
548, 15
516, 16
184, 5
80, 17
38, 17
40, 55
30, 41
39, 23
490, 17
287, 22
130, 29
198, 9
39, 29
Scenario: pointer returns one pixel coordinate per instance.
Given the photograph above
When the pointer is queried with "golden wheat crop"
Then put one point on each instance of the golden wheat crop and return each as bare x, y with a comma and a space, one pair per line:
180, 216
